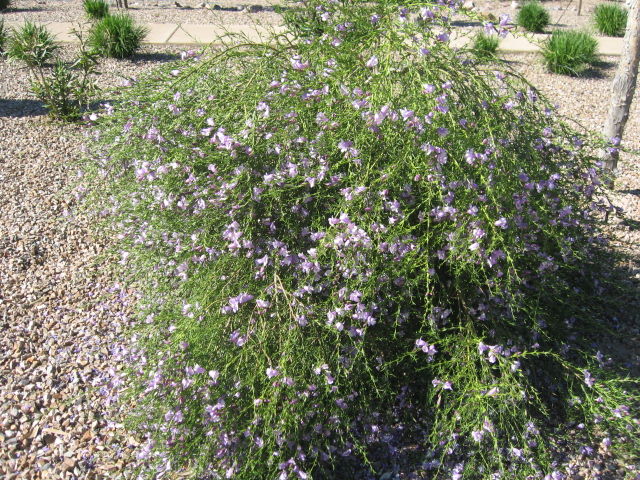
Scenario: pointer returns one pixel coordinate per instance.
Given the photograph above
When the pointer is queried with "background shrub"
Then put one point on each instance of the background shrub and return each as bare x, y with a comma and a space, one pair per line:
485, 46
96, 9
116, 36
533, 17
67, 88
353, 253
610, 19
4, 4
569, 52
31, 44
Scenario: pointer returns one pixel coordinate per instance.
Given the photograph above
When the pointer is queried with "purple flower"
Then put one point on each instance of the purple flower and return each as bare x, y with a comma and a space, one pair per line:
477, 435
272, 372
346, 147
235, 302
237, 339
489, 28
495, 256
372, 62
492, 392
588, 379
298, 64
341, 403
502, 223
174, 416
430, 350
446, 385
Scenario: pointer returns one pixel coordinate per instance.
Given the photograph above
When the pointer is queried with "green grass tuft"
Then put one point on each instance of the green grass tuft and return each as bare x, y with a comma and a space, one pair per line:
533, 17
485, 46
96, 9
116, 36
610, 19
569, 52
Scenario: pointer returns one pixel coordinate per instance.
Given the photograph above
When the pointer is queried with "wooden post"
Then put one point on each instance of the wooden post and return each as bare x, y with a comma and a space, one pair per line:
624, 84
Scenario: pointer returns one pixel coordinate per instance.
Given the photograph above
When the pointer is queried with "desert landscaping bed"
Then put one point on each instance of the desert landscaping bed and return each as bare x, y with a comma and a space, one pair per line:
61, 309
563, 14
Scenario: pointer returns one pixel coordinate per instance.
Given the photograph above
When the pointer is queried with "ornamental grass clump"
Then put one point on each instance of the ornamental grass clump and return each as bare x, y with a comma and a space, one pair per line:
569, 52
610, 19
533, 17
484, 46
116, 36
95, 9
356, 254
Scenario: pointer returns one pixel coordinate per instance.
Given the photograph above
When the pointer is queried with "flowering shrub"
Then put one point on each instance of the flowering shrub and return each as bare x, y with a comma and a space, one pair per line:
359, 253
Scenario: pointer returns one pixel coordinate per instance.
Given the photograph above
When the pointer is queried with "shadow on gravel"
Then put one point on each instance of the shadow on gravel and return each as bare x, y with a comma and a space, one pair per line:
598, 70
634, 191
21, 107
155, 57
466, 23
25, 10
632, 224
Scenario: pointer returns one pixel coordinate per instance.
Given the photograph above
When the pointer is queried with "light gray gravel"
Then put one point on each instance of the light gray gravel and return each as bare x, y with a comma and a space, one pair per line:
230, 12
563, 13
61, 309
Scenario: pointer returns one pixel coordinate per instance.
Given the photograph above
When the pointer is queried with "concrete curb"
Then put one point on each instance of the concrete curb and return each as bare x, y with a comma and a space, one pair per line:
205, 34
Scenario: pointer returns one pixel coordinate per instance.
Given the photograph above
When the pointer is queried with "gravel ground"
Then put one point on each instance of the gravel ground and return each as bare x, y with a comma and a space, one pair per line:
564, 14
60, 309
151, 11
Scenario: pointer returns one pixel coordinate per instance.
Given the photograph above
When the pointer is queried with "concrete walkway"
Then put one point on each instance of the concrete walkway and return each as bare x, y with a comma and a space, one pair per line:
199, 34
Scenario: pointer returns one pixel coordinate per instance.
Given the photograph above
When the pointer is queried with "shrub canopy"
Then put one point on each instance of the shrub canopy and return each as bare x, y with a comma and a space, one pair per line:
356, 251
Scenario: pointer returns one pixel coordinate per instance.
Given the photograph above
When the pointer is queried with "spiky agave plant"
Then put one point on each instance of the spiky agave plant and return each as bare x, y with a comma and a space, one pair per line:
357, 252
